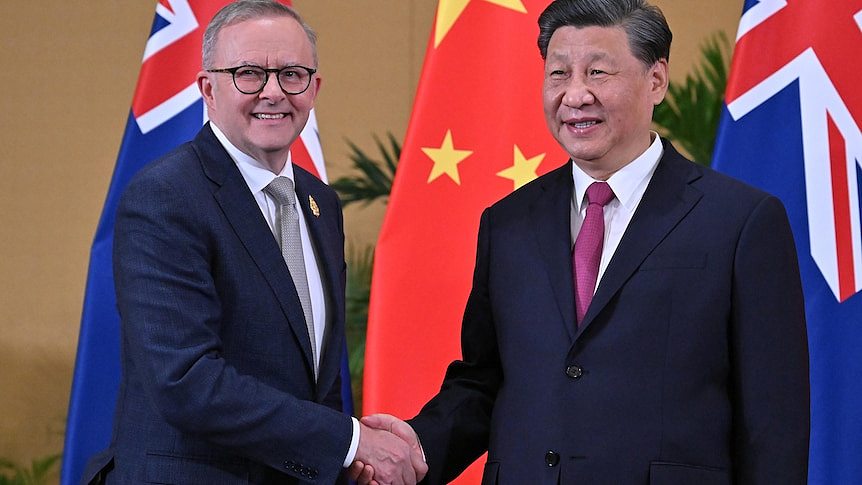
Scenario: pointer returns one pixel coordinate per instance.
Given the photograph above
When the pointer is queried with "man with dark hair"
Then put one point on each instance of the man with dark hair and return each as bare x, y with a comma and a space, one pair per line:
634, 318
229, 270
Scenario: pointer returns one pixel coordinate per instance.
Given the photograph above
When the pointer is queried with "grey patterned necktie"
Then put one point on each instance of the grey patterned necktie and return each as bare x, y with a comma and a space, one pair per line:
281, 189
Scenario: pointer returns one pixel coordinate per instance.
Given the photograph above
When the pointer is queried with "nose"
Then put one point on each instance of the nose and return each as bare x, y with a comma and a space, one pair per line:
577, 93
271, 89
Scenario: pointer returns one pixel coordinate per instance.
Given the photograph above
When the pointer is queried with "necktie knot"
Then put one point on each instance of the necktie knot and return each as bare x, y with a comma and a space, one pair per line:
281, 189
599, 193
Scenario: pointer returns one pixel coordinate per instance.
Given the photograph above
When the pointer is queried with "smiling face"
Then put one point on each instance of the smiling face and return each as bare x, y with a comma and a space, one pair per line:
262, 125
599, 98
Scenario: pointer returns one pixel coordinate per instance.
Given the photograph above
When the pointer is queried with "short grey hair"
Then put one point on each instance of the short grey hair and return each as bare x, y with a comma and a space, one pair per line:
242, 10
646, 28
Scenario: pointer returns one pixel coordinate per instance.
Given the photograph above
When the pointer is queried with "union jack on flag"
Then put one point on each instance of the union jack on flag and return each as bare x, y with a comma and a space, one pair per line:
167, 110
792, 127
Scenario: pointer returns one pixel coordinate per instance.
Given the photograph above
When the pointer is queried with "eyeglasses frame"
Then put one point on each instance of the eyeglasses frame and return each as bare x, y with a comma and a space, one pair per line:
232, 71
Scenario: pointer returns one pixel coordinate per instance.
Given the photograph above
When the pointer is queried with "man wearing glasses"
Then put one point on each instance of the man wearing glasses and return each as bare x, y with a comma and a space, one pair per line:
229, 271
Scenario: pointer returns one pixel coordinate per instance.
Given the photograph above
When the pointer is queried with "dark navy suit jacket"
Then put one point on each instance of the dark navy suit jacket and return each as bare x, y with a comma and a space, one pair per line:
217, 384
691, 364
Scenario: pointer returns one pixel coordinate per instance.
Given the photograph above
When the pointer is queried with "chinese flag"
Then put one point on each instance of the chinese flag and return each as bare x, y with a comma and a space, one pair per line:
477, 133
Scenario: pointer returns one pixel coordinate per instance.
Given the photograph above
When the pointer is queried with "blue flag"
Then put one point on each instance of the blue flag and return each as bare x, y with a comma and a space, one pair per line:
791, 127
167, 110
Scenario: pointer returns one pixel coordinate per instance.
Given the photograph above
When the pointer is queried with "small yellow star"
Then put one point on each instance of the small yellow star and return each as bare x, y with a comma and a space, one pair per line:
448, 12
446, 159
523, 170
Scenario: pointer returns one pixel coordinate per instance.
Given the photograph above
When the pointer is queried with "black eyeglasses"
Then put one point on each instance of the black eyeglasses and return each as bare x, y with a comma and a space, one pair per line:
252, 79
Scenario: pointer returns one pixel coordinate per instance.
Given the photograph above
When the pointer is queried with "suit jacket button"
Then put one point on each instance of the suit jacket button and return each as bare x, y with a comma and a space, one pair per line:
574, 371
552, 458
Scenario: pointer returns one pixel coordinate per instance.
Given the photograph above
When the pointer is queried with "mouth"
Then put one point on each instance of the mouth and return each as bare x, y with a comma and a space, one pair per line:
269, 116
581, 124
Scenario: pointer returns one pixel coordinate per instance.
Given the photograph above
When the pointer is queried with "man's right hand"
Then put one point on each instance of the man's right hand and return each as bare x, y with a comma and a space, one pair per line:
391, 459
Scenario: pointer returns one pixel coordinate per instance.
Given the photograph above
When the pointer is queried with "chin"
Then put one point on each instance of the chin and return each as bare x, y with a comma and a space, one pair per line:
580, 152
276, 141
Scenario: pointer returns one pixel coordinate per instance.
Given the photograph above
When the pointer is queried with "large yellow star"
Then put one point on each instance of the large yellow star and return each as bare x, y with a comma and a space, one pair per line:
448, 12
523, 170
446, 159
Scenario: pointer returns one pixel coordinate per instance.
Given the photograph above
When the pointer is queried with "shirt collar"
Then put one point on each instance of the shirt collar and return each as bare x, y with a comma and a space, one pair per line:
256, 175
625, 181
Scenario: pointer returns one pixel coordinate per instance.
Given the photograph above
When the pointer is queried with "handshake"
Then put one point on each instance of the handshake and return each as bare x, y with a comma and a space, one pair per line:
389, 452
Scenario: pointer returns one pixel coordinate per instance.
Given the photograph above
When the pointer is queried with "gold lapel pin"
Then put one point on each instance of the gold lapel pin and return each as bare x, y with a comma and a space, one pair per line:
314, 208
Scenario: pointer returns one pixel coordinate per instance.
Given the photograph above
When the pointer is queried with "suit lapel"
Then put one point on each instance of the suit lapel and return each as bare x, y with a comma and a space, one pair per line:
325, 235
243, 213
550, 216
668, 198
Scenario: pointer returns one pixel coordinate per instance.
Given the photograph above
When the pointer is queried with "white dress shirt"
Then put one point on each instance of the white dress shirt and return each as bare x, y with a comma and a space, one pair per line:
257, 177
629, 184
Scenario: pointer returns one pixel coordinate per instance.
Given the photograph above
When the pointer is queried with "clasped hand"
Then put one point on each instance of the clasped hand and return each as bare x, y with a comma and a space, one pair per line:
389, 453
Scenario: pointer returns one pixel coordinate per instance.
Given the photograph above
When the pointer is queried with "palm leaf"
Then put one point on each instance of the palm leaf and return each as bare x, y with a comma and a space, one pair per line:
691, 110
42, 468
39, 472
374, 178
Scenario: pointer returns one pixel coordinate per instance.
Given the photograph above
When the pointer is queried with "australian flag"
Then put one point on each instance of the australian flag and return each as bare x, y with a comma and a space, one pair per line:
792, 127
167, 110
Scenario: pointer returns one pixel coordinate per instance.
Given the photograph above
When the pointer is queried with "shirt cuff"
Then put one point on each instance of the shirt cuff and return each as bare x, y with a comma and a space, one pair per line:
354, 444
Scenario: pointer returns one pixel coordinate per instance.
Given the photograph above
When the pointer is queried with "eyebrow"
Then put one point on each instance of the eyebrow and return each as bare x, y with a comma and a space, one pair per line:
246, 62
596, 56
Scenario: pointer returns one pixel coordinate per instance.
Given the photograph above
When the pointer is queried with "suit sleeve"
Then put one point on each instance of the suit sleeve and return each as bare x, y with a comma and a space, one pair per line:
171, 316
769, 355
454, 426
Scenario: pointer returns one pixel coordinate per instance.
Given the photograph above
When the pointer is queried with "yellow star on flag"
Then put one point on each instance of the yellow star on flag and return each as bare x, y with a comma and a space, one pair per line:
446, 159
523, 170
448, 12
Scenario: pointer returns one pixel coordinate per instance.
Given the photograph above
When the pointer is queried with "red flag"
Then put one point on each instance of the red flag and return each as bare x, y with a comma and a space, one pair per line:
477, 133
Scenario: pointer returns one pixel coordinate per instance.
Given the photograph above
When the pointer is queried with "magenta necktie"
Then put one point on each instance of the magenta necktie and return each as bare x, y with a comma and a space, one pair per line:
588, 247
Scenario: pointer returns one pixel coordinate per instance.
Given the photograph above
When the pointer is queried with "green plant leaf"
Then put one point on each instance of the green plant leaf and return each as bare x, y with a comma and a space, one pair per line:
40, 471
374, 177
691, 110
42, 468
8, 466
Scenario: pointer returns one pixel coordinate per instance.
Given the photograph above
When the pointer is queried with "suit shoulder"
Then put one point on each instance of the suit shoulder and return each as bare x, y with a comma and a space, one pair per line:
714, 185
734, 191
179, 163
178, 172
559, 178
724, 199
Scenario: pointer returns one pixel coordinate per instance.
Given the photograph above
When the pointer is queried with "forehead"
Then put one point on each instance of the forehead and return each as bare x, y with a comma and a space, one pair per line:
592, 41
266, 39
